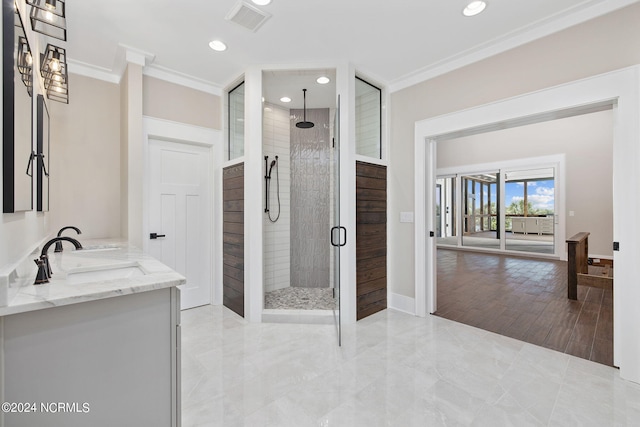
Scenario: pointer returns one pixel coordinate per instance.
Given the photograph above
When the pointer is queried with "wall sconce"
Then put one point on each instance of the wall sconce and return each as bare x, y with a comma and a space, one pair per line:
53, 68
25, 64
49, 18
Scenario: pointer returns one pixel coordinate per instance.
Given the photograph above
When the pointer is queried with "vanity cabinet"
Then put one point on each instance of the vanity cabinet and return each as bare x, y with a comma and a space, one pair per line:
111, 362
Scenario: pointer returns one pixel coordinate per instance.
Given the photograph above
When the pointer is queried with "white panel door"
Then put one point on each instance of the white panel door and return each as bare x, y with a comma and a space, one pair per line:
180, 215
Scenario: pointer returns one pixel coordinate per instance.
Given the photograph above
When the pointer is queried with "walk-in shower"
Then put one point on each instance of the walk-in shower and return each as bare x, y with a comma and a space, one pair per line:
298, 208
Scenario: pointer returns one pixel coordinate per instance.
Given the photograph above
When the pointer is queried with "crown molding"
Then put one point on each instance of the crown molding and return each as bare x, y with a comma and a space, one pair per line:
516, 38
93, 71
182, 79
115, 75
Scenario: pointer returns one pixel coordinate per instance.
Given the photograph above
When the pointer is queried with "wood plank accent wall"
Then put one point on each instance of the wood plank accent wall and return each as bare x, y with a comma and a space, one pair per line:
233, 238
371, 238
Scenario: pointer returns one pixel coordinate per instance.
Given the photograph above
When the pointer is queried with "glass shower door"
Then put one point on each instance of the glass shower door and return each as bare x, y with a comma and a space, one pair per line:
338, 233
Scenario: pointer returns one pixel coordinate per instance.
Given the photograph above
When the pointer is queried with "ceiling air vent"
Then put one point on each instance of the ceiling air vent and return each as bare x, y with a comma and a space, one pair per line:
247, 16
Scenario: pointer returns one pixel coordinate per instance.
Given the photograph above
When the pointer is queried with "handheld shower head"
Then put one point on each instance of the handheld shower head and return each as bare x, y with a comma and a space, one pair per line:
273, 163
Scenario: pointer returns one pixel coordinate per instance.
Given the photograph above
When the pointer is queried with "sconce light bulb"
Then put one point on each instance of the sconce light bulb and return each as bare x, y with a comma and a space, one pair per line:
48, 16
57, 77
55, 65
58, 89
28, 58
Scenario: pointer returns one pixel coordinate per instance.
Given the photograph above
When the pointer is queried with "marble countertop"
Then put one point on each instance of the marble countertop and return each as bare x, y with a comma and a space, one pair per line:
103, 269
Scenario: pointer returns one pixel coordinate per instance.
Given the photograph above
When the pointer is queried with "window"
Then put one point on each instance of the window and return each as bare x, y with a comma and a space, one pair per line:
236, 122
368, 119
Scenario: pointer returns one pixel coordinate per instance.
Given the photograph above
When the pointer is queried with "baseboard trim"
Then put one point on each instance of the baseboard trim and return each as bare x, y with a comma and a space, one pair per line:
401, 303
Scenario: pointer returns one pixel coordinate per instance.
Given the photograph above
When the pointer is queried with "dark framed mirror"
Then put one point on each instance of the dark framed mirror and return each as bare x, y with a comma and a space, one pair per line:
17, 111
42, 154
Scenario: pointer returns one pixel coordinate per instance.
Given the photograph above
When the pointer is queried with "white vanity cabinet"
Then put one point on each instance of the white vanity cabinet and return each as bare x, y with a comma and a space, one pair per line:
112, 362
99, 353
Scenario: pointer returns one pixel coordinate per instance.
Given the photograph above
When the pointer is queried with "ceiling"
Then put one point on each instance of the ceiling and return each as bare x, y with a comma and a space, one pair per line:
391, 42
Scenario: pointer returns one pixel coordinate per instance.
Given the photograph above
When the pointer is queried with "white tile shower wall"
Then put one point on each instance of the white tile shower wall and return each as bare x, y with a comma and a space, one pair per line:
275, 140
310, 199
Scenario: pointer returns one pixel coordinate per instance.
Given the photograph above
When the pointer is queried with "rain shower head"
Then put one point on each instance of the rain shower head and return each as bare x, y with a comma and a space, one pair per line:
304, 124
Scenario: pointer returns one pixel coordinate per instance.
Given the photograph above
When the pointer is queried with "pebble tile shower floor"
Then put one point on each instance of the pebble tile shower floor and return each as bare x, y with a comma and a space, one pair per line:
300, 299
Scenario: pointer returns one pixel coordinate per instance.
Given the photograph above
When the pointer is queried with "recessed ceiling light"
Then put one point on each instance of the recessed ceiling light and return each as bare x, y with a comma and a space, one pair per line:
474, 8
285, 99
323, 80
261, 2
217, 45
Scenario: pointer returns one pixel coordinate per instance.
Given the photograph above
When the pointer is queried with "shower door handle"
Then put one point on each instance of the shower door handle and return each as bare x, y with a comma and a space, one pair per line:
333, 243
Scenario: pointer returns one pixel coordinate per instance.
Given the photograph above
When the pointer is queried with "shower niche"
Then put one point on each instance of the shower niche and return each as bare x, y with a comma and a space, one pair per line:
299, 109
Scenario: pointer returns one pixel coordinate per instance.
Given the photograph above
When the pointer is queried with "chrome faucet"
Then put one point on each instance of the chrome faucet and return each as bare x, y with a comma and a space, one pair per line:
44, 269
59, 243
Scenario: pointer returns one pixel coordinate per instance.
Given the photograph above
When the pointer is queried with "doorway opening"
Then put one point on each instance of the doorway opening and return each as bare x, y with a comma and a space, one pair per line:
513, 210
618, 89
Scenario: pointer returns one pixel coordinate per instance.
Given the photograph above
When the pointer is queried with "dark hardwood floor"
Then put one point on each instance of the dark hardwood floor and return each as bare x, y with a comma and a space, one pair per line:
526, 299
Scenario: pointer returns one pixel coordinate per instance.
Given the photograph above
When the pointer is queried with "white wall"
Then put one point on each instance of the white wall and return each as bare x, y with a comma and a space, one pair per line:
85, 159
587, 142
277, 236
597, 46
169, 101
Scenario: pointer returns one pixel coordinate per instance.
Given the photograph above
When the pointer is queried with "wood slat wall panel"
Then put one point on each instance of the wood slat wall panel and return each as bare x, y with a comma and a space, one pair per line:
233, 183
371, 217
233, 272
370, 194
236, 239
371, 206
235, 284
234, 249
372, 286
233, 217
371, 235
372, 171
233, 228
377, 273
371, 309
233, 238
379, 252
235, 171
233, 205
370, 241
372, 183
233, 194
369, 229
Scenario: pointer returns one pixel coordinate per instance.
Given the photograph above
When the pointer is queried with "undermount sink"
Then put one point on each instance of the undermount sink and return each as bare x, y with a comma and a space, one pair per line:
98, 248
98, 274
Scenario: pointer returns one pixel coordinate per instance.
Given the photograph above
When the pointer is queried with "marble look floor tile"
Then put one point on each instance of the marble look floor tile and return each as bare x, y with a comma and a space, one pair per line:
392, 370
